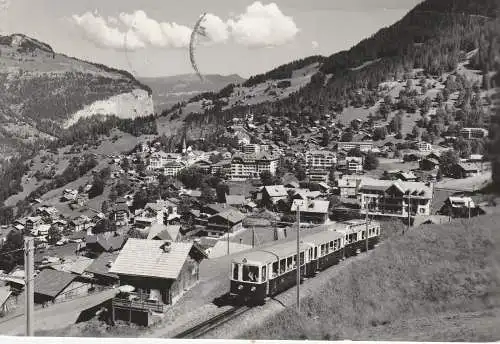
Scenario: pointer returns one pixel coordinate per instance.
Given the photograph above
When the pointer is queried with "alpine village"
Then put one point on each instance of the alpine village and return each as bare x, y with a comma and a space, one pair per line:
375, 169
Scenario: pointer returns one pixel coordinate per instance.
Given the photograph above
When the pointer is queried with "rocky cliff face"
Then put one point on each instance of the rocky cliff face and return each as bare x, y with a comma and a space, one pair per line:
48, 91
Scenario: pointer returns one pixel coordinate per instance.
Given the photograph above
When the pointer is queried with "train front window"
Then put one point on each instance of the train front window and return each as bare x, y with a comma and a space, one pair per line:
236, 269
250, 273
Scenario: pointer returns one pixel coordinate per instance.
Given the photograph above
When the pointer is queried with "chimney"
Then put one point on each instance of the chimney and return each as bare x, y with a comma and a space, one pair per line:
166, 247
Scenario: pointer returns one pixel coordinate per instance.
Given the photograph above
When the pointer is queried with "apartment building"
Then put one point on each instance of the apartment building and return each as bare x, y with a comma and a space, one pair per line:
395, 198
320, 159
473, 133
248, 166
364, 146
354, 164
158, 160
251, 148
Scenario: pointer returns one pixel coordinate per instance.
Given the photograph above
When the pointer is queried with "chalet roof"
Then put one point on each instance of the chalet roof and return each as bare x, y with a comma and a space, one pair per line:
52, 282
276, 190
77, 266
315, 206
107, 241
468, 166
235, 199
100, 265
164, 232
148, 259
231, 215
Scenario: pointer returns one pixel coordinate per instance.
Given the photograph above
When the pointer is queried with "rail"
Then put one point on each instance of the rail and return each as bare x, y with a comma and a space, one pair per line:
206, 326
138, 304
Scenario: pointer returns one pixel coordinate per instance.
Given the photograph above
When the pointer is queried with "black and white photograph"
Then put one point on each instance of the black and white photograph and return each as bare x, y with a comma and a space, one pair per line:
254, 170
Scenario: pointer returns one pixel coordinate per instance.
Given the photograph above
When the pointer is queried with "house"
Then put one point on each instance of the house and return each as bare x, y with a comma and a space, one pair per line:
80, 223
364, 146
348, 186
173, 168
105, 242
473, 133
219, 224
163, 232
57, 286
305, 194
464, 170
7, 301
98, 272
120, 214
69, 194
320, 159
460, 206
158, 271
424, 147
390, 198
354, 164
406, 176
236, 201
271, 194
214, 208
317, 175
428, 164
311, 211
32, 223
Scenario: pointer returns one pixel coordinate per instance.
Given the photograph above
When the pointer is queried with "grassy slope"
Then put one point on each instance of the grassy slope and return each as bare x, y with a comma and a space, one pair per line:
414, 285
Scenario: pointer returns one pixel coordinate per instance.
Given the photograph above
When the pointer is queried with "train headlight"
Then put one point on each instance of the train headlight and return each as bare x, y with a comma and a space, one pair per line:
240, 287
252, 289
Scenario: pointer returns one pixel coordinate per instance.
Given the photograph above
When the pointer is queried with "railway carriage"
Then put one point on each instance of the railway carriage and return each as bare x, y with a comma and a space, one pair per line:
326, 250
264, 273
355, 236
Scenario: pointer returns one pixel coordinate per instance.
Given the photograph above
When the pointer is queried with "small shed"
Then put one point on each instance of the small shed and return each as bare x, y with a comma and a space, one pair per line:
56, 286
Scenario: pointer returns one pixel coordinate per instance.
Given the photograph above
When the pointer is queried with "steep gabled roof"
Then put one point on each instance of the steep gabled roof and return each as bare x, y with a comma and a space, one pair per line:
147, 258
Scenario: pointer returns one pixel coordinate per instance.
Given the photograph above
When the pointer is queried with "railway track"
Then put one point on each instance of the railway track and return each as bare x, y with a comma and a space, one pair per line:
206, 326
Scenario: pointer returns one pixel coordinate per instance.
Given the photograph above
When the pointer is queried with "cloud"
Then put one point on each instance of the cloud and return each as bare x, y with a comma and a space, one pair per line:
97, 30
315, 45
260, 26
263, 25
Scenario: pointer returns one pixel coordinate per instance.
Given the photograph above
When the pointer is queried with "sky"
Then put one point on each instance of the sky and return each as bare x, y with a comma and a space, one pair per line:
246, 37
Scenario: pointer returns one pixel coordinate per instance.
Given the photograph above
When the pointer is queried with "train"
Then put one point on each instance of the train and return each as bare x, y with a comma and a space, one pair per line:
263, 273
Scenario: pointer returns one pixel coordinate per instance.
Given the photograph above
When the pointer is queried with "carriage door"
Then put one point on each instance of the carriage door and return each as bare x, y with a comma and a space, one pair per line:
316, 257
265, 275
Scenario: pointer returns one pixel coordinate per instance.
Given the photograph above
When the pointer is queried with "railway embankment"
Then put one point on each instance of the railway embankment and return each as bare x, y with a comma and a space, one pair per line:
435, 282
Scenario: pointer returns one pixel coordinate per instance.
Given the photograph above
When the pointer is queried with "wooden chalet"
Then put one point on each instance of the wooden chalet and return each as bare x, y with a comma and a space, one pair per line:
158, 271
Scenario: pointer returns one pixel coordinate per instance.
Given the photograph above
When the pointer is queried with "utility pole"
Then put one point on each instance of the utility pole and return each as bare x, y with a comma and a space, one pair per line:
253, 236
29, 249
468, 208
298, 258
409, 211
366, 230
228, 236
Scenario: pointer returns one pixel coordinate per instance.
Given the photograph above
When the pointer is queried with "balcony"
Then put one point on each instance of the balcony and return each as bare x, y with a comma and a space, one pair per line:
138, 304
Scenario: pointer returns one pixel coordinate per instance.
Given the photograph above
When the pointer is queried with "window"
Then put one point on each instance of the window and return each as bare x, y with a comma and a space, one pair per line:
289, 264
363, 235
250, 273
236, 268
282, 266
264, 275
301, 258
322, 252
275, 269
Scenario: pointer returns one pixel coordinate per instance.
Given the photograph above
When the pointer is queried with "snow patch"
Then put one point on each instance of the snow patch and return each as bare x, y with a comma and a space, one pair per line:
133, 104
